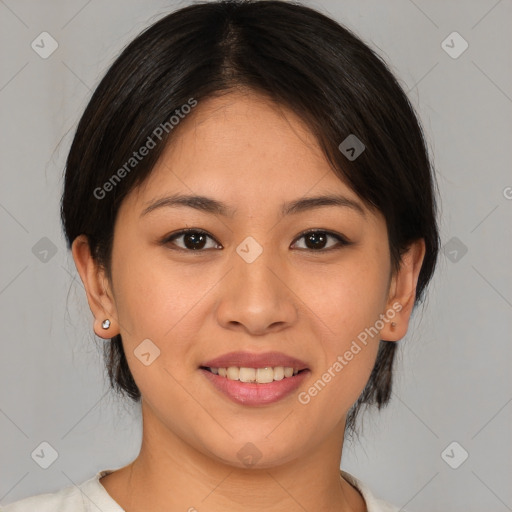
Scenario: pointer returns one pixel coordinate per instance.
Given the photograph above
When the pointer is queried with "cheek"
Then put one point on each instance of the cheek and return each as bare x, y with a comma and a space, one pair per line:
348, 302
159, 299
347, 298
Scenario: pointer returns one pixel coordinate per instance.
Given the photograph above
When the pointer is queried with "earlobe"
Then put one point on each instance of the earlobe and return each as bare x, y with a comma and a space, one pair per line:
402, 292
96, 286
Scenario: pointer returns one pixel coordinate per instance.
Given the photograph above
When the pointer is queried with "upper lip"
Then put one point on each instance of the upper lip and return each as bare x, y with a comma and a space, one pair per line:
251, 360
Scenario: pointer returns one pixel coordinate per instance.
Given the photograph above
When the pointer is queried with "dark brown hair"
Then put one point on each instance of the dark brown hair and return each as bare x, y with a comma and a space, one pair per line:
299, 58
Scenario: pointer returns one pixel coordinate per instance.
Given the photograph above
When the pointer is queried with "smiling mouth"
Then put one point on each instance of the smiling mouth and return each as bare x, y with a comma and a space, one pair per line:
262, 375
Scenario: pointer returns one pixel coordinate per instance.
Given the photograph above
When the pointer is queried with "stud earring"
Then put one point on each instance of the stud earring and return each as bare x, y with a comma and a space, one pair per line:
393, 324
106, 324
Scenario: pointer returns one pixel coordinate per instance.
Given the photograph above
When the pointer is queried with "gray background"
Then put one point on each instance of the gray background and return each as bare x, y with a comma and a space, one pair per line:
453, 374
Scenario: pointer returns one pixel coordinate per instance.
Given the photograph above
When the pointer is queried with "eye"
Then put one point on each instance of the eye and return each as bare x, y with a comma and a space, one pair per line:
196, 240
193, 239
315, 240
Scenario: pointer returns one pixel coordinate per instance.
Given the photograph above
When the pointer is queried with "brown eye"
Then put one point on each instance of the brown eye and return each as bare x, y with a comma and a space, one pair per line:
197, 240
193, 240
317, 240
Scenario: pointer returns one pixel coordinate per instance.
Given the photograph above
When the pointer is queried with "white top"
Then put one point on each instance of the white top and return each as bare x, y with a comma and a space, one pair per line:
92, 496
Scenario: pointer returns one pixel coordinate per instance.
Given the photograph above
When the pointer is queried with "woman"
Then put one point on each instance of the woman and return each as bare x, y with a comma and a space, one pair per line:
251, 208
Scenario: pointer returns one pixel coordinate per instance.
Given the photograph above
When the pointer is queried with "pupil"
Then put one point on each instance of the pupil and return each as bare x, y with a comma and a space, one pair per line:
315, 238
194, 237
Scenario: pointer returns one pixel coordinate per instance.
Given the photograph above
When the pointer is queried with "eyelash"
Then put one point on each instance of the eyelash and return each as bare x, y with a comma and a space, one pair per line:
342, 241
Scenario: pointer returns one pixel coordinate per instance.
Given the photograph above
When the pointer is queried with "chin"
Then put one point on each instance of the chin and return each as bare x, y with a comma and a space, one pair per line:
258, 453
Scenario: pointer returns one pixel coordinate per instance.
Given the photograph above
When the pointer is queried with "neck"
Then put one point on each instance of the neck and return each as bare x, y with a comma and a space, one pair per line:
169, 474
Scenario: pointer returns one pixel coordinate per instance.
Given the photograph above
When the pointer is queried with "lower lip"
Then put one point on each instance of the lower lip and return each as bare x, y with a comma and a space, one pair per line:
251, 393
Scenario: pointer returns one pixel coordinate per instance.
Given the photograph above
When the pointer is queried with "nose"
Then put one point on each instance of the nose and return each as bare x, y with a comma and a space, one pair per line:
256, 297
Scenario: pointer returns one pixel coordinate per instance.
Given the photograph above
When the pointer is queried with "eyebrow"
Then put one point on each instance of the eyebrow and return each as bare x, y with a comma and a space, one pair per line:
213, 206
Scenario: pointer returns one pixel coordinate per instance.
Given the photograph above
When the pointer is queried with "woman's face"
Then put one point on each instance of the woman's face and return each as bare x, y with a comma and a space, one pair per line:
255, 289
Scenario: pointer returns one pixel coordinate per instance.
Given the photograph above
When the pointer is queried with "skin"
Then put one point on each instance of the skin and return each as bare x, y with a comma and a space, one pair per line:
253, 155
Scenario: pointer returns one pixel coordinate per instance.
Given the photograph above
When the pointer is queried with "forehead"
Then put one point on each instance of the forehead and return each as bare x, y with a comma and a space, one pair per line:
243, 144
247, 152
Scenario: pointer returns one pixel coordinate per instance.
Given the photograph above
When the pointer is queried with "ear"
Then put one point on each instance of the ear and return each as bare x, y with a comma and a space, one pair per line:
97, 288
402, 292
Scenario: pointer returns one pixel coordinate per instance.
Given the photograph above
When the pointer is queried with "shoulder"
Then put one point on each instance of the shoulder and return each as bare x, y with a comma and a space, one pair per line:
67, 499
86, 497
373, 504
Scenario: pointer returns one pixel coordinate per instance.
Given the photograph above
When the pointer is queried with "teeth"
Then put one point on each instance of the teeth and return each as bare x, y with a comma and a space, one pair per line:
278, 373
233, 373
247, 375
259, 375
264, 375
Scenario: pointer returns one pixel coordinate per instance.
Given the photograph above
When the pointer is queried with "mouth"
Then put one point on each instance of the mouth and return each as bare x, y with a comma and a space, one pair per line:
255, 379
